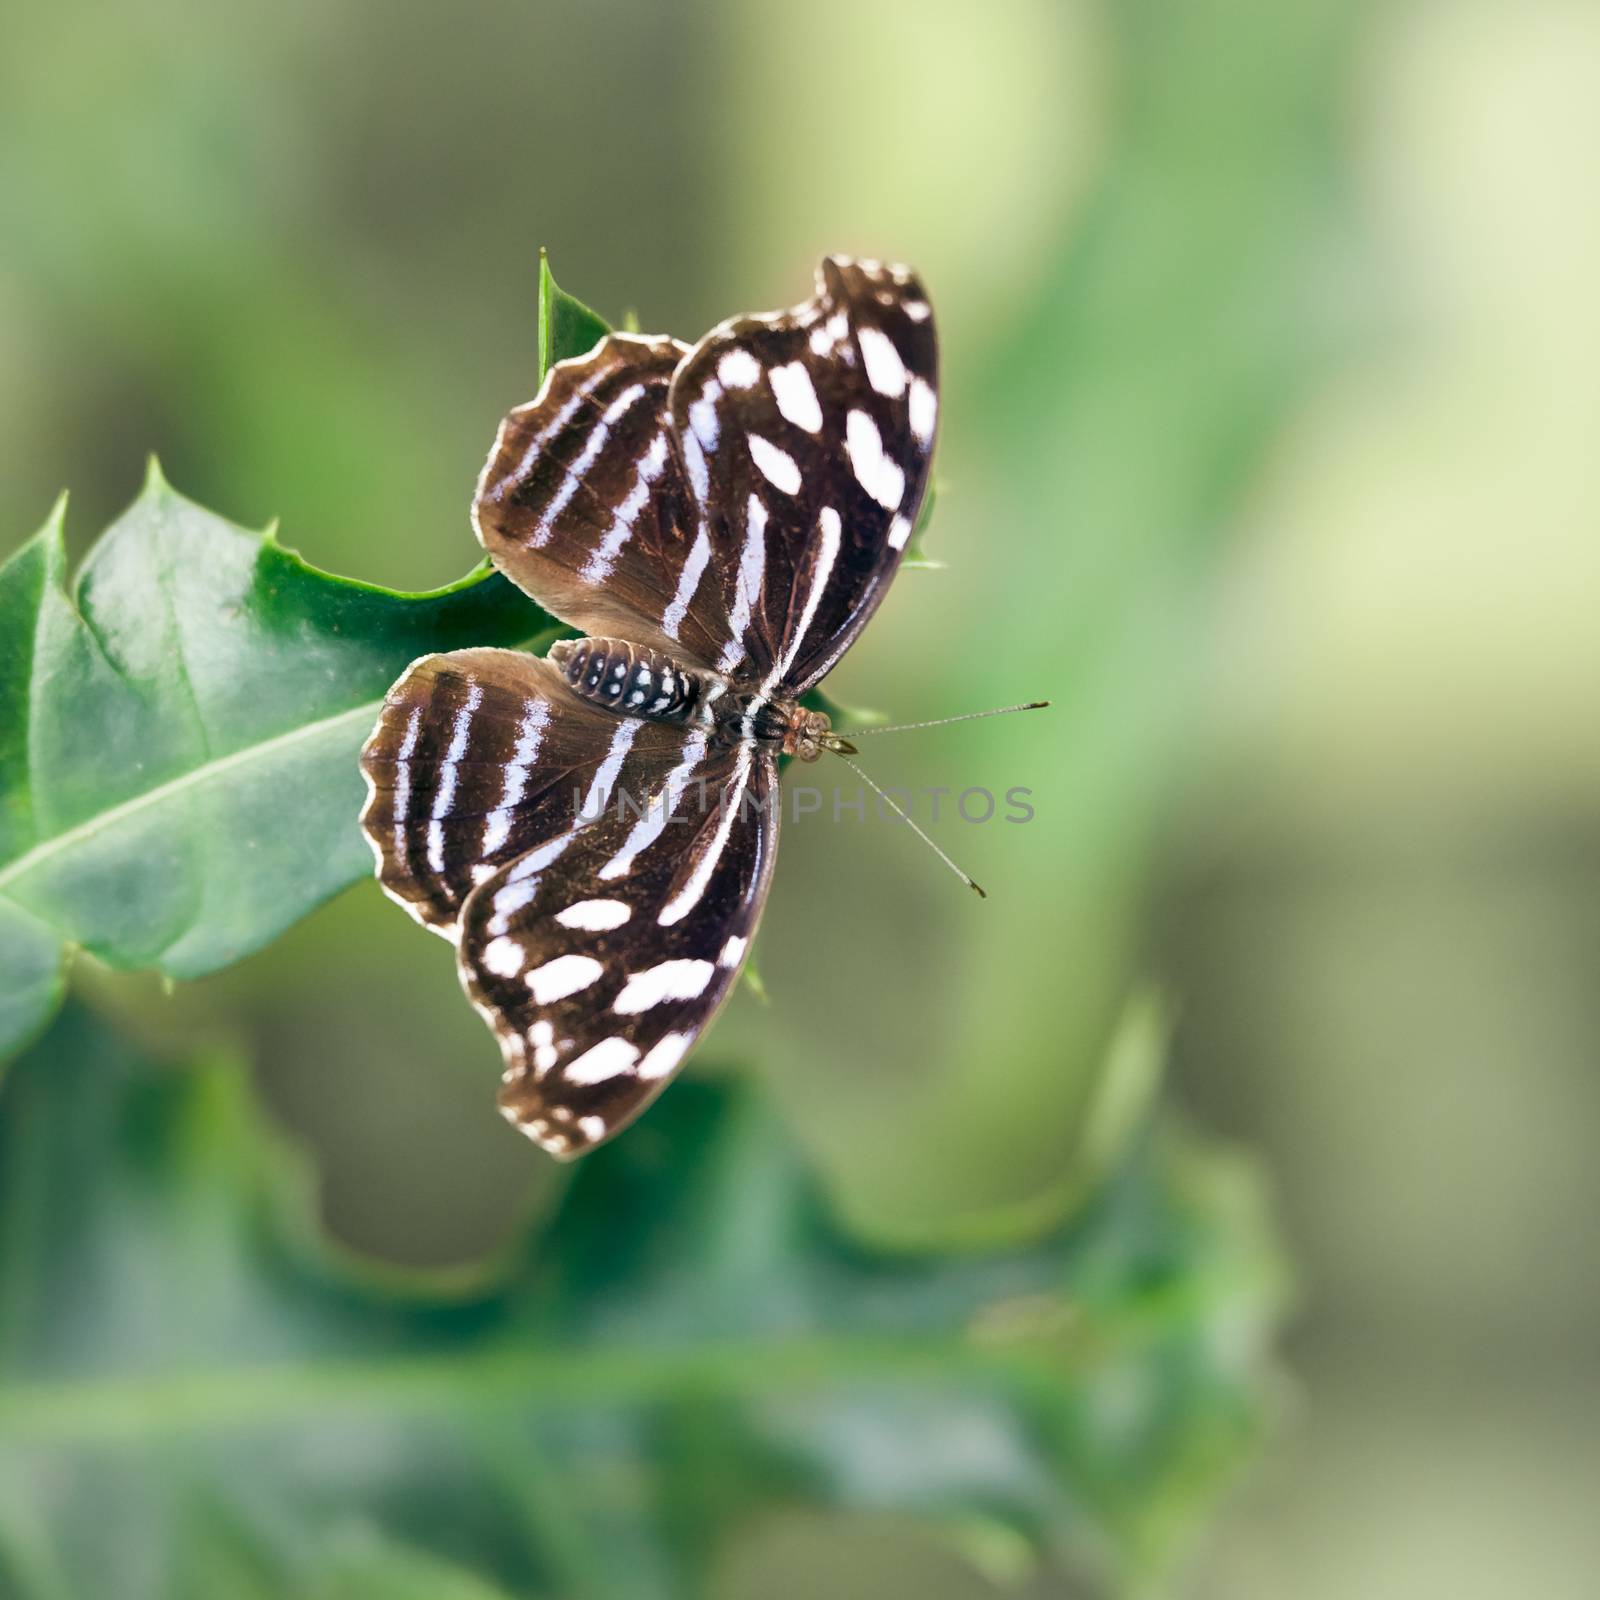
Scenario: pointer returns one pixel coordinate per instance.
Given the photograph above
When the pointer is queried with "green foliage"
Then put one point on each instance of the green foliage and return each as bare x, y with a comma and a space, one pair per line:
567, 327
200, 1398
178, 776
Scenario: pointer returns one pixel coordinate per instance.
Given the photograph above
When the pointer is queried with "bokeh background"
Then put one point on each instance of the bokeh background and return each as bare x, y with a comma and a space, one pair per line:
1268, 454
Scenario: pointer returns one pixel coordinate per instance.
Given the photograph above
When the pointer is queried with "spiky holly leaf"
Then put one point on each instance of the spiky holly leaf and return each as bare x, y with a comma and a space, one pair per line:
178, 778
567, 327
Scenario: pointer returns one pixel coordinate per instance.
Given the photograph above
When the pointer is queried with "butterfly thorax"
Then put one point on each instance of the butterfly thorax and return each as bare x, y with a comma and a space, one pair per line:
736, 714
636, 681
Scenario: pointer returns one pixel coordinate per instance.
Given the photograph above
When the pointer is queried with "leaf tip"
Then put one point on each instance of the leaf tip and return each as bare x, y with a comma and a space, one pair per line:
155, 485
56, 523
916, 556
47, 547
543, 311
754, 984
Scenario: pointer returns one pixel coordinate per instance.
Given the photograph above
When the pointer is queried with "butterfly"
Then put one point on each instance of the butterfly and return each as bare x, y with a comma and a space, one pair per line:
595, 830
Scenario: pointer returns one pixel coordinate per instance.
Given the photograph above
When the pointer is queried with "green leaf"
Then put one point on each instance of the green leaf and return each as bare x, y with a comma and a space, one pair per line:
179, 730
197, 1397
179, 779
914, 558
567, 327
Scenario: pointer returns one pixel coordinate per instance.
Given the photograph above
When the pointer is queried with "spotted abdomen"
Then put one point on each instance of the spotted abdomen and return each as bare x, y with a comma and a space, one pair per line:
628, 678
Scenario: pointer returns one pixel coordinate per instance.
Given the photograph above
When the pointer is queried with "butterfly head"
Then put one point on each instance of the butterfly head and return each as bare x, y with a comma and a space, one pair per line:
810, 733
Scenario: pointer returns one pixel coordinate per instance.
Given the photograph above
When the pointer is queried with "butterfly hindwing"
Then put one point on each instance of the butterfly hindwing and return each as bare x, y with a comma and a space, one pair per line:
806, 436
599, 974
474, 762
600, 875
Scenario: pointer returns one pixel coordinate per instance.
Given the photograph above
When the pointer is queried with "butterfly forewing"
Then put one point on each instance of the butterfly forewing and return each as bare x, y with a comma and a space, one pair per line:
599, 972
743, 504
806, 436
583, 502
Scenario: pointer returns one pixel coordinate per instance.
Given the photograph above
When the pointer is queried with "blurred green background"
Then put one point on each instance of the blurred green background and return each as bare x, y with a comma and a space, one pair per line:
1270, 332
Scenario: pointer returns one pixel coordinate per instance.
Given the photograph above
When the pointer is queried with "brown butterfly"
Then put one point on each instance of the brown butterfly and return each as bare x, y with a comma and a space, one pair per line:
595, 831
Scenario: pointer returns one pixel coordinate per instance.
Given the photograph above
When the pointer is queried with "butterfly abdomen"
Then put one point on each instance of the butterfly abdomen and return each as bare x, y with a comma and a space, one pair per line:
628, 678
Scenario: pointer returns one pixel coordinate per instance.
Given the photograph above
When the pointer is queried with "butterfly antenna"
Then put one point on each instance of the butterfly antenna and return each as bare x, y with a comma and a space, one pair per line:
939, 722
970, 882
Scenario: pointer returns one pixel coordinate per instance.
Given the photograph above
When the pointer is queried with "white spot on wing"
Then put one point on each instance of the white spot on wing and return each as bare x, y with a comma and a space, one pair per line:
604, 556
738, 369
595, 916
694, 459
732, 951
747, 585
886, 372
688, 581
605, 779
653, 823
924, 407
530, 731
444, 796
503, 957
827, 553
664, 1055
509, 899
402, 767
592, 1128
899, 532
555, 980
605, 1060
878, 475
777, 466
556, 423
542, 1036
703, 419
516, 892
688, 897
796, 396
532, 864
577, 468
684, 978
